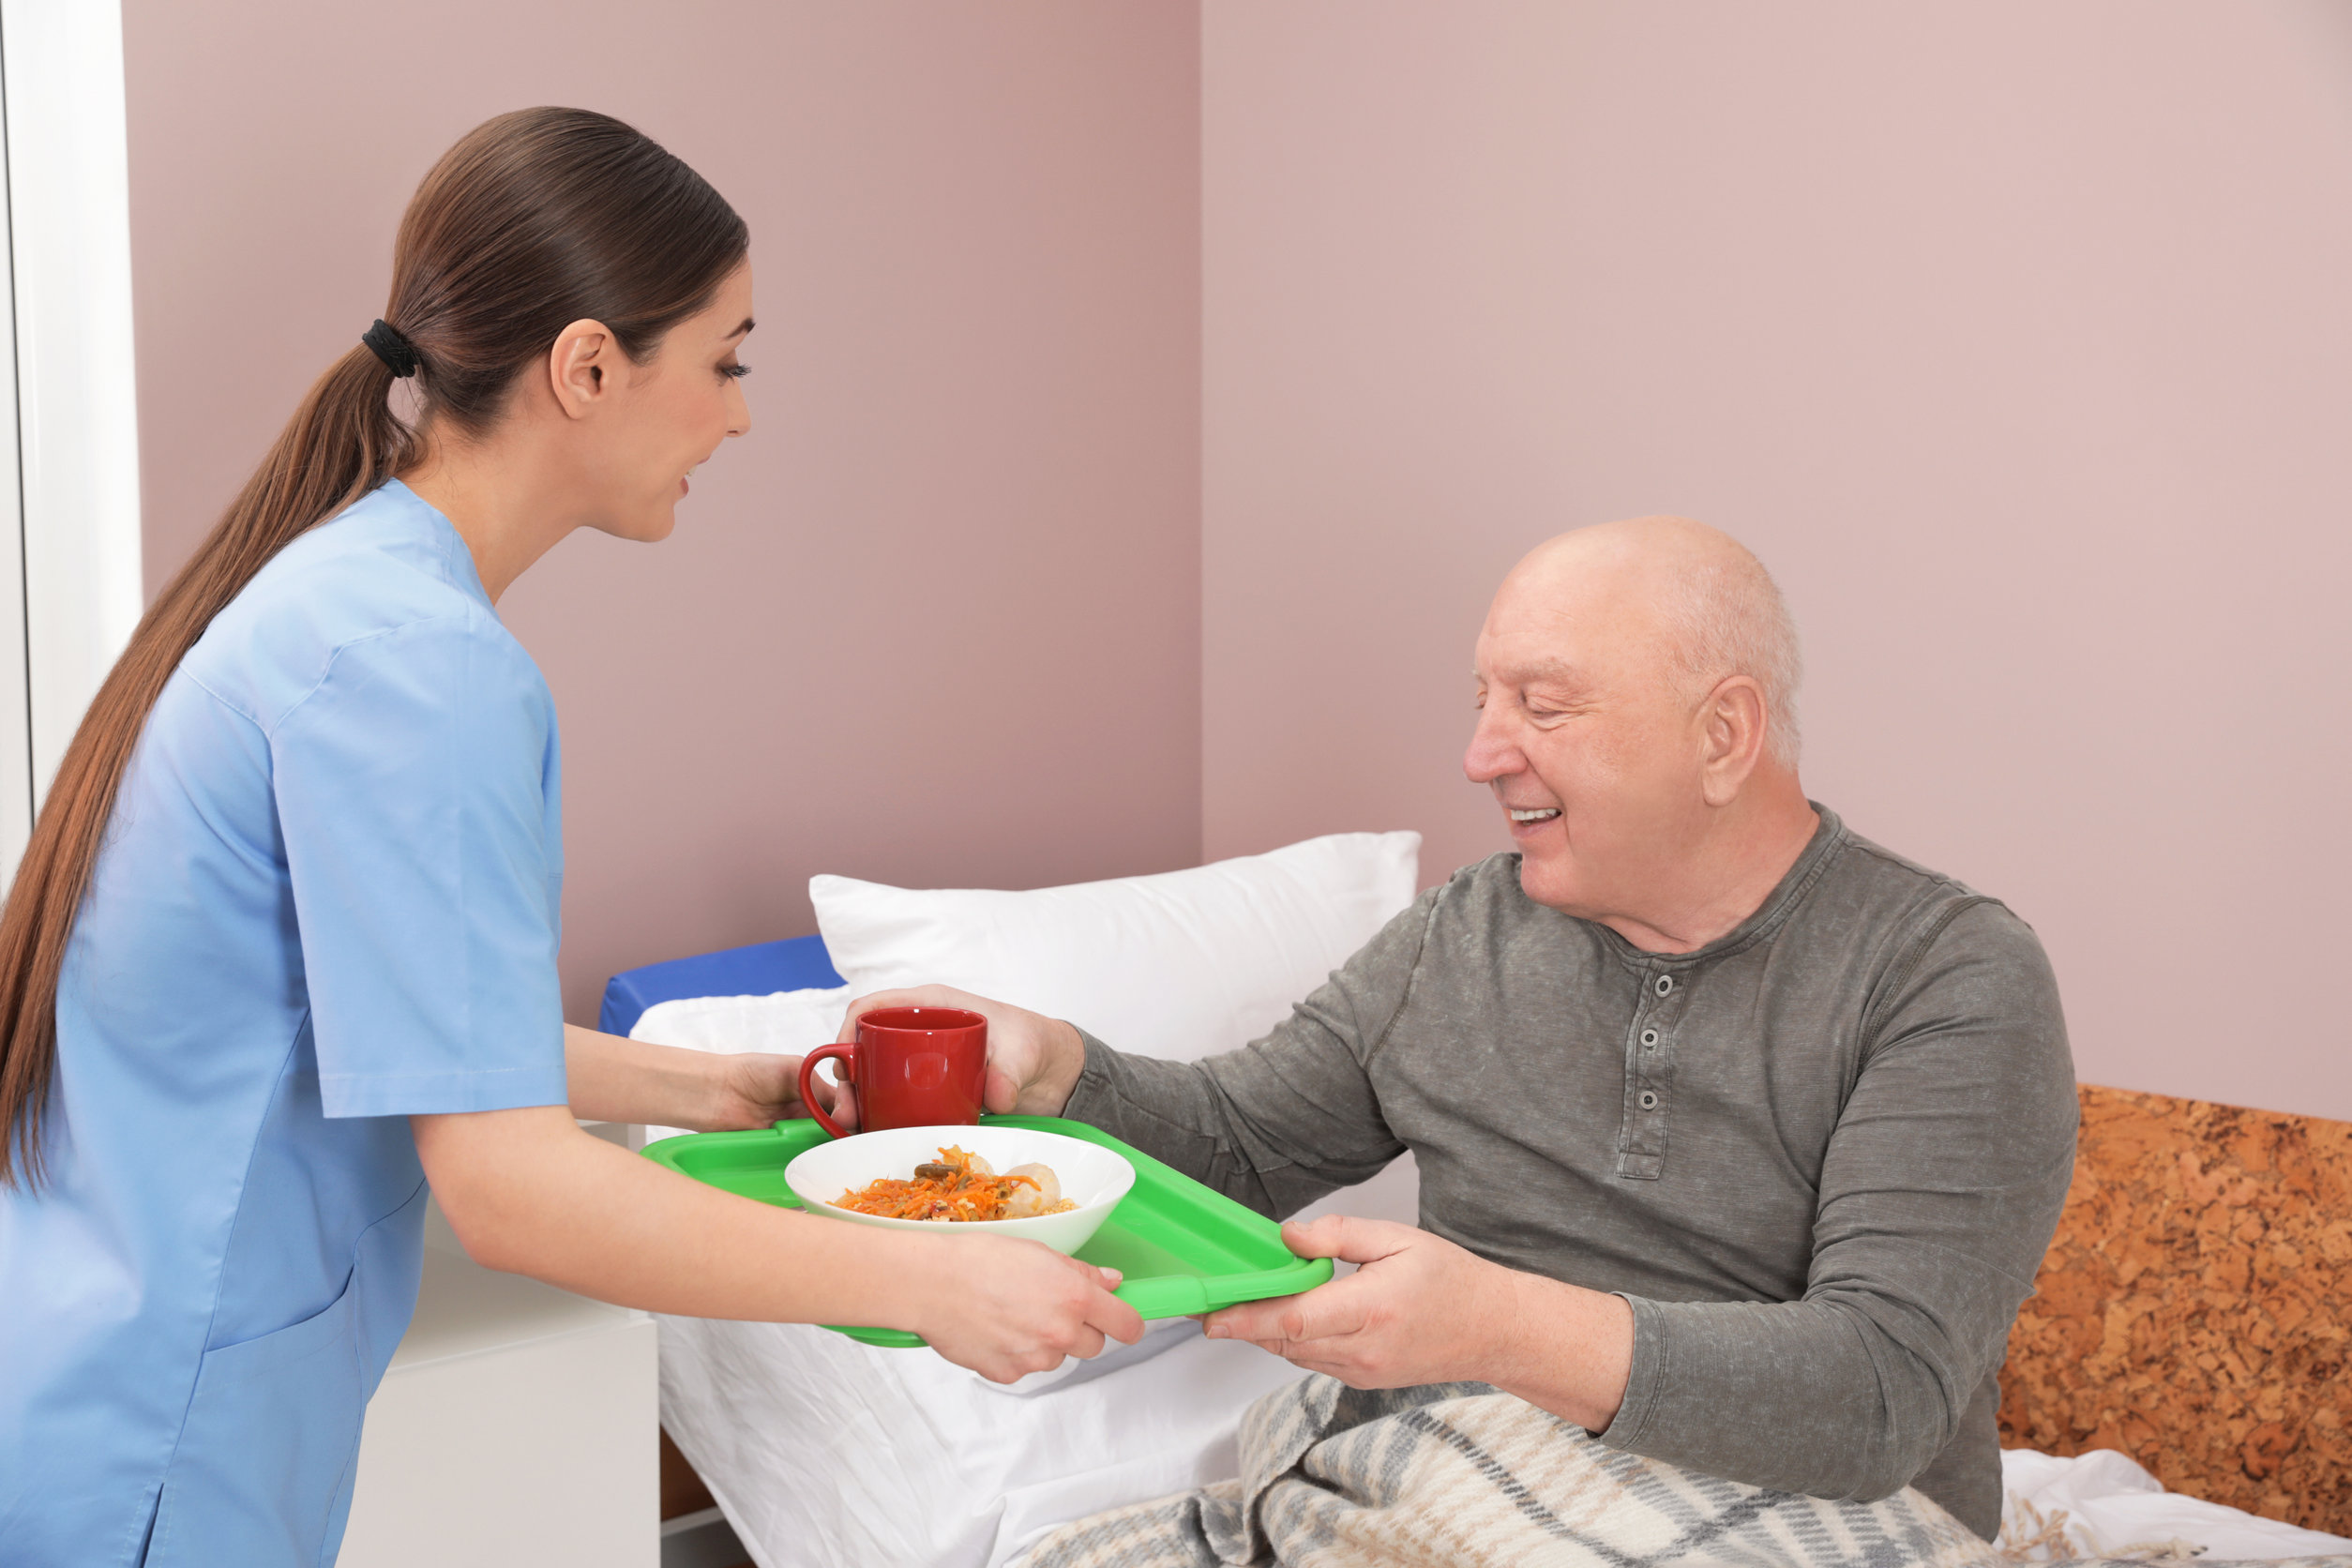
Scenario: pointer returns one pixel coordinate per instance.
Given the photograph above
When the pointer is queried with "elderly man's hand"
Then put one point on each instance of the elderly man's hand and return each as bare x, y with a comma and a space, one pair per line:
1420, 1309
1033, 1061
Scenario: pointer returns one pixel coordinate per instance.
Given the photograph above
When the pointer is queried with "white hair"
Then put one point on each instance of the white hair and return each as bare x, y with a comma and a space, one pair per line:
1728, 618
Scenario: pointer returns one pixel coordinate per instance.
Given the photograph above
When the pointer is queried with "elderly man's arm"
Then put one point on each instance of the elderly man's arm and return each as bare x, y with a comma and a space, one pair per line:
1941, 1188
1273, 1125
1287, 1118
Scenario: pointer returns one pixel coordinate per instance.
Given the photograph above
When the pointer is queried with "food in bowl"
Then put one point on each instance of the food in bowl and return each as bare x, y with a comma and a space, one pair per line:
1093, 1178
961, 1187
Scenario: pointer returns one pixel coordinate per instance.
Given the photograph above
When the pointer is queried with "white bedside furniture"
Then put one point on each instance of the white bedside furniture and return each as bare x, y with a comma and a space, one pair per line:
518, 1423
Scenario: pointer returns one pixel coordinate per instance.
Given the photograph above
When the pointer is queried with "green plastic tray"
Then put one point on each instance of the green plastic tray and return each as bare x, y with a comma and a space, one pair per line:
1182, 1247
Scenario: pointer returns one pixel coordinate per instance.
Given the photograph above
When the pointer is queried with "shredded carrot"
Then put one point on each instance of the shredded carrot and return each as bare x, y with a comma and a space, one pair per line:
960, 1196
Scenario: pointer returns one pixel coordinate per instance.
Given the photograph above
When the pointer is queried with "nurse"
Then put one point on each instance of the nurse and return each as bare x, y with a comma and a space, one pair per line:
280, 957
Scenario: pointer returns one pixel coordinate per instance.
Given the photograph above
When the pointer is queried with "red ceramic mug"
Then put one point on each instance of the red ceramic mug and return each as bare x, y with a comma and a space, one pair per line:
911, 1067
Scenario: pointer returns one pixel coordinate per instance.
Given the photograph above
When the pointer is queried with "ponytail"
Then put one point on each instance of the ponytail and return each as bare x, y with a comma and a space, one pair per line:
534, 221
342, 443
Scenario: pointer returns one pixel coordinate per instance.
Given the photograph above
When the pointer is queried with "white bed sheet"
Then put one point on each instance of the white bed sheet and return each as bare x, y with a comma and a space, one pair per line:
825, 1451
2104, 1504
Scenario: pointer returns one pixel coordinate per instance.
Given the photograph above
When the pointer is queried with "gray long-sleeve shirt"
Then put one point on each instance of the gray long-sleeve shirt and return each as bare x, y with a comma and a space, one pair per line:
1822, 1156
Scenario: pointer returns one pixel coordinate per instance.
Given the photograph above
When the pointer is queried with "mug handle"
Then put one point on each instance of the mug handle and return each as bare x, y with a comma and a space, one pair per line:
846, 1056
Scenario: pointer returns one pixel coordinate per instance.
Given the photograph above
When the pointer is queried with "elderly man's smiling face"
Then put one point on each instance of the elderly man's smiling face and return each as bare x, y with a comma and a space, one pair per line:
1620, 768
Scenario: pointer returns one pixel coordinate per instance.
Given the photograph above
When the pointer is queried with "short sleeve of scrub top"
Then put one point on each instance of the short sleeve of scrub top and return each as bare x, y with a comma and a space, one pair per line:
327, 901
415, 814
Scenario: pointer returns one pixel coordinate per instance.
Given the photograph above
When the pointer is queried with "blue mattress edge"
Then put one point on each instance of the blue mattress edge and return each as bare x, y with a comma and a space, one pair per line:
795, 964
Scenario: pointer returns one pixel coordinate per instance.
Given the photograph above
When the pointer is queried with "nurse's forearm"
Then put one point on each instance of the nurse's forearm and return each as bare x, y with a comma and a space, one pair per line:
613, 1079
529, 1193
609, 1078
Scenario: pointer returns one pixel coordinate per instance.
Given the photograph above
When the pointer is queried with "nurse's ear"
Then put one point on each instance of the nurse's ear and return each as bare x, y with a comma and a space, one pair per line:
582, 366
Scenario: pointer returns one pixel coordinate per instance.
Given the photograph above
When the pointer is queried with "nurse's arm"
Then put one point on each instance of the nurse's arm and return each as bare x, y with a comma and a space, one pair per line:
529, 1193
613, 1079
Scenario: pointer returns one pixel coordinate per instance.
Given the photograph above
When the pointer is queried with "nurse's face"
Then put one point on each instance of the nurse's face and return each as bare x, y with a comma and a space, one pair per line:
670, 415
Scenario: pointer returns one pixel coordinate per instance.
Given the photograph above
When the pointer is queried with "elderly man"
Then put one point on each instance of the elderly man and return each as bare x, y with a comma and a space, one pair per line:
1739, 1137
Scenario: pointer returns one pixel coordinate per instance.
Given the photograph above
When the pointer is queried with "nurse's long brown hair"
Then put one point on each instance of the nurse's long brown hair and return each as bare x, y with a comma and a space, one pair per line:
535, 220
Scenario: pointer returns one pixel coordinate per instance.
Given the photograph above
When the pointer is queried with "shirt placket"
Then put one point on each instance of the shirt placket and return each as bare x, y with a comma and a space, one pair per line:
1641, 1139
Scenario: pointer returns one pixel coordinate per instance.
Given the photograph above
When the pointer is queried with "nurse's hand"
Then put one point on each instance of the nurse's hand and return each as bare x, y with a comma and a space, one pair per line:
1006, 1308
756, 1090
1033, 1061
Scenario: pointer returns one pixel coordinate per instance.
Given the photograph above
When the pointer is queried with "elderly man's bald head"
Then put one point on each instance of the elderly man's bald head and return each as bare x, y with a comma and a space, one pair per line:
1711, 607
1637, 723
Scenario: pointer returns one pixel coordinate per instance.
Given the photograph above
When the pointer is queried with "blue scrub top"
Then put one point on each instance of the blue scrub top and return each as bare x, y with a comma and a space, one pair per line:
327, 900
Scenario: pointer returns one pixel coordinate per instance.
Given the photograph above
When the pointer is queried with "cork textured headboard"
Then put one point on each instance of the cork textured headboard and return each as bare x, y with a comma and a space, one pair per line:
2196, 1310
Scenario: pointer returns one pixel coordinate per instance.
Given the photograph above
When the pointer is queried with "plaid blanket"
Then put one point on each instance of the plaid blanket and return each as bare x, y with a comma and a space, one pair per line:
1459, 1474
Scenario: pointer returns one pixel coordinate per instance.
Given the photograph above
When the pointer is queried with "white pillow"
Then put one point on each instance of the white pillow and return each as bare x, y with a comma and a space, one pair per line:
1181, 965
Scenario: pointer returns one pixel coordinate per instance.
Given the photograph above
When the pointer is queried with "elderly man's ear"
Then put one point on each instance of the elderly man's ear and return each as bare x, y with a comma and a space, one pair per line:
1732, 734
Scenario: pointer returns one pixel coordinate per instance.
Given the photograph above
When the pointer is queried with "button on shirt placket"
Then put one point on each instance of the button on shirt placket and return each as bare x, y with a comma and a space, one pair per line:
1641, 1142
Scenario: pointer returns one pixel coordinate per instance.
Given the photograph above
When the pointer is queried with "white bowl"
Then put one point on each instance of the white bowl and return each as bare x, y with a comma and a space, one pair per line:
1091, 1177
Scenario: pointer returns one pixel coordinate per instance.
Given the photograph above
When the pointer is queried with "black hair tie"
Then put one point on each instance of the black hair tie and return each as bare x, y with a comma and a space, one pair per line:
398, 354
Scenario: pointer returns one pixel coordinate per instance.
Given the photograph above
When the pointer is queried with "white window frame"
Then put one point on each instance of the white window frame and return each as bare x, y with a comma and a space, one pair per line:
71, 587
16, 713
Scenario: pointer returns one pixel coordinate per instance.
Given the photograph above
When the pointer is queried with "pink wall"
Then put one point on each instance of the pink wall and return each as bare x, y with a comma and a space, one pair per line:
937, 619
2016, 338
1186, 381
